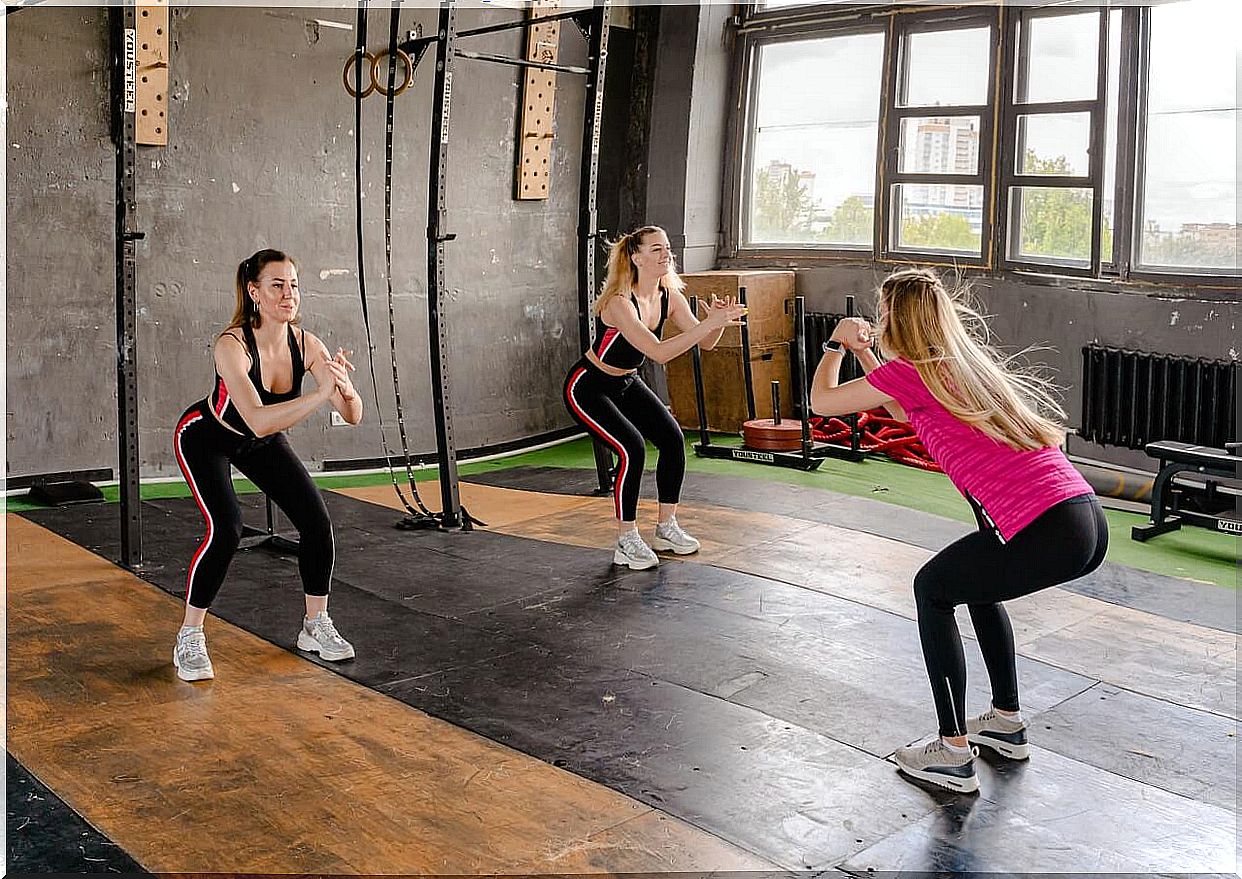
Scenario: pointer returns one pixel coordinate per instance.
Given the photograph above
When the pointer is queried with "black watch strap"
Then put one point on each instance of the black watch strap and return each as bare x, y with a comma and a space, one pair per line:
832, 345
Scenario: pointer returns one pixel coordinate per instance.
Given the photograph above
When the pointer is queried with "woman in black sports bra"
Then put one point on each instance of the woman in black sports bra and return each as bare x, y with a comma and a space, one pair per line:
606, 396
261, 359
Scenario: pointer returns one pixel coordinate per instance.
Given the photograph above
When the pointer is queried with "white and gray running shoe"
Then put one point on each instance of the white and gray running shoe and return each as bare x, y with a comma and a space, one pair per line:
1004, 736
319, 635
937, 764
190, 655
669, 537
633, 552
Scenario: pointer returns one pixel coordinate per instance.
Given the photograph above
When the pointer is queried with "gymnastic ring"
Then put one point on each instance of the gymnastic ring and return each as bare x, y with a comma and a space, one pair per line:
349, 62
406, 61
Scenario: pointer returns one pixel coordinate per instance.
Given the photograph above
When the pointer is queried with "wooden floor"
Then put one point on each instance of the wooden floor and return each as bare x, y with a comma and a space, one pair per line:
284, 766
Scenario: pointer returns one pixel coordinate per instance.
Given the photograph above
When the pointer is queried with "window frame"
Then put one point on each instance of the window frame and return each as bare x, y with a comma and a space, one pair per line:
1177, 275
889, 174
755, 27
740, 144
1017, 58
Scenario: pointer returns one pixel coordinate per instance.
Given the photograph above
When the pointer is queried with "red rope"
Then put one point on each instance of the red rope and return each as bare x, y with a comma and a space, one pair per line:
878, 432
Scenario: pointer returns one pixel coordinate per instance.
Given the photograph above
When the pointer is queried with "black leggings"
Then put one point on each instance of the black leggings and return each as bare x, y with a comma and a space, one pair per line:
205, 449
622, 411
1066, 542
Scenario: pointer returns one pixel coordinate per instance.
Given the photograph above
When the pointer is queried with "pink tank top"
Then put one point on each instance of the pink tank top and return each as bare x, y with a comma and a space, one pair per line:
1013, 487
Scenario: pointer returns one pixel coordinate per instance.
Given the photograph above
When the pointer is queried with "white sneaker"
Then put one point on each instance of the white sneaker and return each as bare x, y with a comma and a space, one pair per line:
670, 538
634, 553
190, 655
1004, 736
935, 763
319, 635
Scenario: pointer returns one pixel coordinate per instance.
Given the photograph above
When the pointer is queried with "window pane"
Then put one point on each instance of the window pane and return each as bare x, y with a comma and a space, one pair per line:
813, 152
1054, 144
1189, 202
939, 145
1053, 223
1062, 63
938, 217
945, 68
1190, 196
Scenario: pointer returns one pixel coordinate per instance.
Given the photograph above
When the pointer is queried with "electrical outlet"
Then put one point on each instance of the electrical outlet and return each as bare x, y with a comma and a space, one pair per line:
338, 420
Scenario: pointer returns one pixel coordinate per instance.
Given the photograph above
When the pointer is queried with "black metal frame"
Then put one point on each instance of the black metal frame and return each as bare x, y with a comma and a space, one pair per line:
889, 173
1179, 459
1008, 201
124, 81
812, 453
593, 24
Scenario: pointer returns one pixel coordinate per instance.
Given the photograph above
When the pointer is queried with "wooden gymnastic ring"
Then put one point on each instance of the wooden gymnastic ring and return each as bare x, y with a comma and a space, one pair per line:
349, 62
406, 61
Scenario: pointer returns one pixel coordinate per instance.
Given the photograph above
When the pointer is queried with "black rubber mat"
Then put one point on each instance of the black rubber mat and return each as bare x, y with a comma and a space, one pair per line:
1204, 604
45, 835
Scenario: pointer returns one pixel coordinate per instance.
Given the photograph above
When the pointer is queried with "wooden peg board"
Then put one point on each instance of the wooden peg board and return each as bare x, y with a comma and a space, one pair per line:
151, 89
538, 104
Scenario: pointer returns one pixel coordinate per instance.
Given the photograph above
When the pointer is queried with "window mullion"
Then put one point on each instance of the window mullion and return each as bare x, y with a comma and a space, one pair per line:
1095, 165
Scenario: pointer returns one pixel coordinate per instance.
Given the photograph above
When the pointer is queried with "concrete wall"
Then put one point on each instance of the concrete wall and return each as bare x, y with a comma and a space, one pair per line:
261, 153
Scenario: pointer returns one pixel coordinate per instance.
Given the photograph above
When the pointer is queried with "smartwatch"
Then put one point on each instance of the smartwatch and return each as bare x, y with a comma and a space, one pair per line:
833, 346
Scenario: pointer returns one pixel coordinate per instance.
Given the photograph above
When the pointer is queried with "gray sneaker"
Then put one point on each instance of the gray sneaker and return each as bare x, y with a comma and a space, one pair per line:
190, 655
634, 553
1004, 736
936, 764
670, 538
319, 635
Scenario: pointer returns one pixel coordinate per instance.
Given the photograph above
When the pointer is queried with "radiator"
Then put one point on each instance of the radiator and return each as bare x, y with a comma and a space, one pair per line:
1131, 398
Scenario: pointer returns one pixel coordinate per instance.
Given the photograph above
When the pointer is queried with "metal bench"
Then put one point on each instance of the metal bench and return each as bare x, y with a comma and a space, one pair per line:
1171, 501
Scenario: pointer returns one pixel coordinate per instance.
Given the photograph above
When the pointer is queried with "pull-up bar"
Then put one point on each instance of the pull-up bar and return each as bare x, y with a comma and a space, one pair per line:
521, 62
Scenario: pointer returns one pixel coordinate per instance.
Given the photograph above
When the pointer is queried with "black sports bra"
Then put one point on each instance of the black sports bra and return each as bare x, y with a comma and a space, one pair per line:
613, 349
222, 403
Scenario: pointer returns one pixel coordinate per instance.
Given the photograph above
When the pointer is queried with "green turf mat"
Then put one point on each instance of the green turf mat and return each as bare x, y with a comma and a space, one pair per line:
1190, 553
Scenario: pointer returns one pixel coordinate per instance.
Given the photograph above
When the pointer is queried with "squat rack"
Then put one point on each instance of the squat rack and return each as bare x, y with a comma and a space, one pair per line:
593, 24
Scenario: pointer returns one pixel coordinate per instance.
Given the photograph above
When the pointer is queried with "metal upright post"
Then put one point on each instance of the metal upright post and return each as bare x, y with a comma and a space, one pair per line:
804, 403
588, 217
124, 66
436, 238
747, 376
700, 399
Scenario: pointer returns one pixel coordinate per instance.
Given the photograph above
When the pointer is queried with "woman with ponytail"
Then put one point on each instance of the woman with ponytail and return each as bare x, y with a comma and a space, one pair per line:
606, 396
261, 358
992, 428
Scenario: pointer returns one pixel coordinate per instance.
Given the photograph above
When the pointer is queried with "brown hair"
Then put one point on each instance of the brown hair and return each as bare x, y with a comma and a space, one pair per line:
248, 270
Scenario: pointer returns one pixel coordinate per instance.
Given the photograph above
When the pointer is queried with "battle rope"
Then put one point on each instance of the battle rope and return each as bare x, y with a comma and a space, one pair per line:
878, 432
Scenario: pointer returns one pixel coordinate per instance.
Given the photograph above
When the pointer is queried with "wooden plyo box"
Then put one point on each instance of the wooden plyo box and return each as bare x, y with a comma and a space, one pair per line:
769, 298
724, 386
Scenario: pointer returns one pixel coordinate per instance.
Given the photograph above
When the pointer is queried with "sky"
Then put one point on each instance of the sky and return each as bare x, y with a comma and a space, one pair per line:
833, 88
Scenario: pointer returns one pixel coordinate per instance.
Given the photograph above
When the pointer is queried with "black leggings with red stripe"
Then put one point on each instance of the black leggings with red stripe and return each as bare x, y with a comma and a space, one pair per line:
205, 450
623, 412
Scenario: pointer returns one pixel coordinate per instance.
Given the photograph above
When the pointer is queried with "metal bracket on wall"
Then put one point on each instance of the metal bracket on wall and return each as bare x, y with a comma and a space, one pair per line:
538, 102
151, 88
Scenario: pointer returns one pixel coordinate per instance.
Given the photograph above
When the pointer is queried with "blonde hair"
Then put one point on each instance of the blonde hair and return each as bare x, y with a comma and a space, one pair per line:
623, 274
947, 341
246, 313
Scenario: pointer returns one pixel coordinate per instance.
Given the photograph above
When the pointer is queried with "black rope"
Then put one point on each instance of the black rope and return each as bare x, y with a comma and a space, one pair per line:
359, 52
394, 26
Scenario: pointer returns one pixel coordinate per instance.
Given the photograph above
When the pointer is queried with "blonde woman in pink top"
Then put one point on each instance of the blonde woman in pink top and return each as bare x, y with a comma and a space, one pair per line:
993, 430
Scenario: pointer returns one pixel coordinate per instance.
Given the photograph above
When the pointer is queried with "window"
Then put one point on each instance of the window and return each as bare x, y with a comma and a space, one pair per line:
940, 123
1188, 197
812, 155
1055, 118
1061, 138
